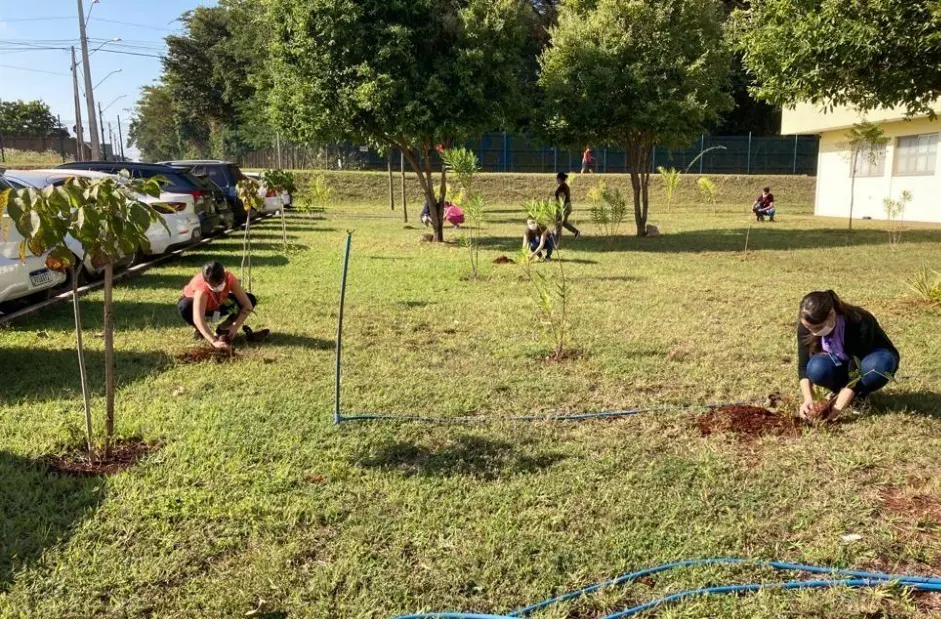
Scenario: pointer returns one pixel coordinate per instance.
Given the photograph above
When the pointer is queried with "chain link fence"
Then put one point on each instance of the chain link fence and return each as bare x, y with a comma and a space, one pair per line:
505, 152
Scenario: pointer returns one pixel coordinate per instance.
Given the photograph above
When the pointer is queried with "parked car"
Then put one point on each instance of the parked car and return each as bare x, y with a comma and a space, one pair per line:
183, 227
219, 201
198, 201
22, 278
223, 174
272, 204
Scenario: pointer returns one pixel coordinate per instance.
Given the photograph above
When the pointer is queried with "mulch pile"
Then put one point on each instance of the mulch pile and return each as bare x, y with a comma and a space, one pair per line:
748, 422
201, 354
503, 260
124, 454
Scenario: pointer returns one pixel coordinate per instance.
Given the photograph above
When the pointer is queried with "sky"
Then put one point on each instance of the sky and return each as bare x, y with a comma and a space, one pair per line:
28, 72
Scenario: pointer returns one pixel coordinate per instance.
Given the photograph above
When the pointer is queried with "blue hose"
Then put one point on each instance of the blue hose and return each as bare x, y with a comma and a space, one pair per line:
858, 579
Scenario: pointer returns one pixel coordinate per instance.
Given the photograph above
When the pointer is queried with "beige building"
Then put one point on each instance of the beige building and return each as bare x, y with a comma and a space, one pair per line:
909, 161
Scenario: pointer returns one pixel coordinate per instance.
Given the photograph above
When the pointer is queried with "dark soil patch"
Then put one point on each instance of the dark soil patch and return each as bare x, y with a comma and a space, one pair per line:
201, 354
566, 355
918, 507
124, 454
749, 422
503, 260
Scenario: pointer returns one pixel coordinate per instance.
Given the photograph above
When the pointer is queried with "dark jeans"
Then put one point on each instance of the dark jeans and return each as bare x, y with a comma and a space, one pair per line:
875, 370
230, 307
761, 214
565, 222
549, 247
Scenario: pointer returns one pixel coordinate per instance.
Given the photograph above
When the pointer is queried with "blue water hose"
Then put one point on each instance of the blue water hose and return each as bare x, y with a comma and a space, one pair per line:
857, 579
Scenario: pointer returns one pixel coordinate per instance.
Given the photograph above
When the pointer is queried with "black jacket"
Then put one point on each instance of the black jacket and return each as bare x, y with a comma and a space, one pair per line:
860, 338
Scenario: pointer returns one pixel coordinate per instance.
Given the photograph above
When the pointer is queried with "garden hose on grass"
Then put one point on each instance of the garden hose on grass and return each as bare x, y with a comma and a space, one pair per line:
856, 579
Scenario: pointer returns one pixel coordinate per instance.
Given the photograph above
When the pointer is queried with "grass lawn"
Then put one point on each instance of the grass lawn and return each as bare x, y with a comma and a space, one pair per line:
257, 505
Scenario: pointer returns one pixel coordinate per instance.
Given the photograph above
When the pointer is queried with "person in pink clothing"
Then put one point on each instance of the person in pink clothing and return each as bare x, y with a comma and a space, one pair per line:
453, 214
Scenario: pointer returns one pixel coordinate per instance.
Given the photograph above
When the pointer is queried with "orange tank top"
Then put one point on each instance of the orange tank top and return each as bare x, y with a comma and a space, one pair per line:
214, 300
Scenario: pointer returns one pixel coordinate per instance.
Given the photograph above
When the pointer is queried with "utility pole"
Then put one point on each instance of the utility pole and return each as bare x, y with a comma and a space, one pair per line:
79, 130
114, 153
101, 147
89, 93
121, 138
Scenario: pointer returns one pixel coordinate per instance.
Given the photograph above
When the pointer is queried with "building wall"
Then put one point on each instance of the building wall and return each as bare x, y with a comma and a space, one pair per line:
809, 119
833, 178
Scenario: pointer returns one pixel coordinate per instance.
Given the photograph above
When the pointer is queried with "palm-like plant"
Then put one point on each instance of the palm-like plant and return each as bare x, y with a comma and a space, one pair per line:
248, 189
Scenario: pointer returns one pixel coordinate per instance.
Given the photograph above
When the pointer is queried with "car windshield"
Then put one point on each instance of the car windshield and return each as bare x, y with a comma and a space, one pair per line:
217, 175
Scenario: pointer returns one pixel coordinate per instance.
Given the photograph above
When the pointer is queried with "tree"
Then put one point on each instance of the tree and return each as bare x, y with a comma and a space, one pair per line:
879, 53
635, 73
109, 219
463, 163
281, 181
248, 192
409, 74
865, 142
27, 118
159, 129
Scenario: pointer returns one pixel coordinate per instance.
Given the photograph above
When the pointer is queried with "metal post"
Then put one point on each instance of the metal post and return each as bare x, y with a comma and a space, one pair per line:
702, 147
3, 154
402, 168
79, 130
506, 152
101, 149
337, 417
111, 140
795, 155
61, 139
653, 158
748, 162
89, 92
277, 137
121, 137
391, 181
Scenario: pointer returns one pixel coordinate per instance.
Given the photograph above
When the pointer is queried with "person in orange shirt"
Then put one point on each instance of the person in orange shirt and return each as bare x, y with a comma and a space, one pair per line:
215, 293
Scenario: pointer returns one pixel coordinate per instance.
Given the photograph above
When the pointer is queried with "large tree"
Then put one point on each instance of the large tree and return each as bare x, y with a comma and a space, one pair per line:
635, 73
27, 118
871, 53
161, 131
411, 74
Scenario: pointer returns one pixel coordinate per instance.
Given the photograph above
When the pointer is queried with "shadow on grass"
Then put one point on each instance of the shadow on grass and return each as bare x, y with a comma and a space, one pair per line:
727, 240
463, 456
289, 339
42, 374
38, 510
924, 403
233, 259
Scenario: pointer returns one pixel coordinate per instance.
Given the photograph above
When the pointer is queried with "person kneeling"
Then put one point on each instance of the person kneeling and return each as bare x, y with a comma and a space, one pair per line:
215, 293
832, 337
538, 238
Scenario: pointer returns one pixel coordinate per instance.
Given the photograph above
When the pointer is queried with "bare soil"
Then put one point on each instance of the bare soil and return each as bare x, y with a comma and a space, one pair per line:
749, 422
503, 260
920, 508
124, 454
202, 354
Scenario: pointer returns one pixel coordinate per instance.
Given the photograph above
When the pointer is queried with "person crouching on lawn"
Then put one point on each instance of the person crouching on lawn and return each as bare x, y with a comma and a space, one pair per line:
538, 238
215, 293
832, 338
764, 205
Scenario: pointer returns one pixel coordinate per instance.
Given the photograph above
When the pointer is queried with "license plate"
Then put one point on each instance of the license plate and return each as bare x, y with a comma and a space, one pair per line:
197, 233
41, 277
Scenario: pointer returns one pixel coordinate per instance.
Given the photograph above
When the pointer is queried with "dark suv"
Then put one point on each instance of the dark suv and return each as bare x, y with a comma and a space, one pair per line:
223, 174
178, 181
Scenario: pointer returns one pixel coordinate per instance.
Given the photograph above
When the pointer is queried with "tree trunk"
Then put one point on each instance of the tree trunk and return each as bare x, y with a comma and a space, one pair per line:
246, 254
109, 358
404, 202
391, 182
80, 349
424, 179
637, 161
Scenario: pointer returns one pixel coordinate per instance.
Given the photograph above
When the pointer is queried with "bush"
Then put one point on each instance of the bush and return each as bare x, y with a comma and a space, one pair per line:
15, 157
926, 285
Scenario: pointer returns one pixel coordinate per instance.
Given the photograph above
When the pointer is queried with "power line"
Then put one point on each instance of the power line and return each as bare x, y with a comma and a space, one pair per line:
126, 23
10, 66
21, 19
117, 51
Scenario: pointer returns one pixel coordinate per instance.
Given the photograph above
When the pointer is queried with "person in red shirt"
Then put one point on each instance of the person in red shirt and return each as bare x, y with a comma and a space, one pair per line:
215, 293
587, 160
764, 205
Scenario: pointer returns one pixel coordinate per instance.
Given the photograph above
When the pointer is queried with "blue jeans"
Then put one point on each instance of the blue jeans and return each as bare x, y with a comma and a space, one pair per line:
875, 369
549, 246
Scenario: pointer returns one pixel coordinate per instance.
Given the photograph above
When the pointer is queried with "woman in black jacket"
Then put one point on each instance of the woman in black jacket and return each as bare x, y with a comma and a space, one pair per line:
832, 338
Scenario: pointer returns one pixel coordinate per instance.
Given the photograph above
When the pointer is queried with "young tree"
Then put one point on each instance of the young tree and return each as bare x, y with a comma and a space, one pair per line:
248, 192
463, 163
671, 180
409, 74
109, 219
635, 73
865, 142
709, 191
870, 54
281, 181
315, 197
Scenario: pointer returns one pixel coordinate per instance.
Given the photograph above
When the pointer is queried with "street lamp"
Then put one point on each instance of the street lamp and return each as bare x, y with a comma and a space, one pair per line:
95, 87
115, 100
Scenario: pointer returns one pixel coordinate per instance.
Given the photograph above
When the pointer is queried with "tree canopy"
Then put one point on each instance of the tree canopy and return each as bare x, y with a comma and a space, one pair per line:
878, 53
635, 73
27, 118
406, 73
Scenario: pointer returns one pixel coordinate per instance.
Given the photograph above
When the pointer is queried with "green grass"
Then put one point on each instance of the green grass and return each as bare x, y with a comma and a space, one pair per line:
257, 502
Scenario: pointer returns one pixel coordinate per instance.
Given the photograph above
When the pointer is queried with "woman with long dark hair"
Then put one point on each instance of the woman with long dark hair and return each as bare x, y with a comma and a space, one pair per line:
842, 348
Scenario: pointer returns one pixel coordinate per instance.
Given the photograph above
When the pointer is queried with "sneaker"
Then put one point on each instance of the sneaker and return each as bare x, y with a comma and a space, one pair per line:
578, 233
256, 336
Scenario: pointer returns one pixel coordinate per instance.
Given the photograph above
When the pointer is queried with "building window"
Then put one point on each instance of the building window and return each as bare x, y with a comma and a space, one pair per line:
870, 161
917, 155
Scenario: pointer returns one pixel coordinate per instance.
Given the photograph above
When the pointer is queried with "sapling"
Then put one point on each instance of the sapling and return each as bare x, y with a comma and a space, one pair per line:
671, 180
315, 196
608, 209
895, 211
248, 189
463, 163
110, 220
280, 181
709, 191
865, 141
926, 284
